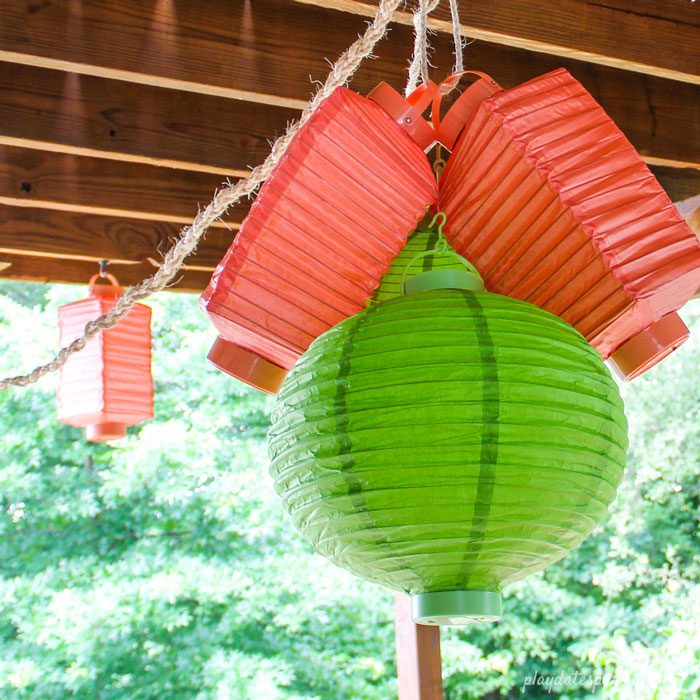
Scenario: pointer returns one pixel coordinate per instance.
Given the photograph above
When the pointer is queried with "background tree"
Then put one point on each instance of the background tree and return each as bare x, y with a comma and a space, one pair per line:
162, 567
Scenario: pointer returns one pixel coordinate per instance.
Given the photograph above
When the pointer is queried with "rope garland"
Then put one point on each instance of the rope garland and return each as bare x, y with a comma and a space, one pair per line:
418, 70
457, 37
341, 71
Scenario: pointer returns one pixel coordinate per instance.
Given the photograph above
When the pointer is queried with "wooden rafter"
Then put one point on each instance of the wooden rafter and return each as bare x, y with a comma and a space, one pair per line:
32, 178
47, 269
69, 235
253, 56
679, 183
647, 36
71, 113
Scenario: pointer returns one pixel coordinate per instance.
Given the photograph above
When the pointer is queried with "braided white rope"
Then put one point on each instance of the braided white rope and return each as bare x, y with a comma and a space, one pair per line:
341, 71
418, 70
457, 36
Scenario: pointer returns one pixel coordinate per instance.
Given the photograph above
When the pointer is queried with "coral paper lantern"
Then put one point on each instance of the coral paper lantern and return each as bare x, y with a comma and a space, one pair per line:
321, 233
550, 201
107, 386
447, 443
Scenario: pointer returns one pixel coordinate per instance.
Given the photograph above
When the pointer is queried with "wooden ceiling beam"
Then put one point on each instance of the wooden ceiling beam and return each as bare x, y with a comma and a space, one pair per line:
648, 36
65, 112
31, 178
37, 269
251, 55
679, 183
266, 52
90, 238
63, 182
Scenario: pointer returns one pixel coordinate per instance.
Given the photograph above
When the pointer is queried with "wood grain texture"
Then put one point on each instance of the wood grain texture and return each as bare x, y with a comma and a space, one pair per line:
91, 238
148, 193
417, 655
67, 112
253, 55
679, 183
661, 118
643, 36
38, 269
98, 186
232, 49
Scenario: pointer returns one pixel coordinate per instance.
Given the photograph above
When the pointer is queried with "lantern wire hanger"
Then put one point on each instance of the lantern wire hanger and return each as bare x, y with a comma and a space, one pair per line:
340, 73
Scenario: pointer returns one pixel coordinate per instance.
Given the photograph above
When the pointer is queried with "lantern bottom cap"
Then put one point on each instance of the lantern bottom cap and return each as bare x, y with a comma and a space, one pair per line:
101, 432
456, 607
245, 365
650, 346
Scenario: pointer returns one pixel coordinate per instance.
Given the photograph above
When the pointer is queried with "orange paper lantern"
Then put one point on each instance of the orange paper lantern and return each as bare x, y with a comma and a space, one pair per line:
323, 230
107, 386
550, 201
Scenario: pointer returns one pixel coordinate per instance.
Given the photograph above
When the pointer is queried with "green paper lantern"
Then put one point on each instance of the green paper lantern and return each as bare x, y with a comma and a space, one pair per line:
448, 443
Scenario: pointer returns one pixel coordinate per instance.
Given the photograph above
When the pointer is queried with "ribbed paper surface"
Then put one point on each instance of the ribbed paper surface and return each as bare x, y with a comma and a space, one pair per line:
448, 440
110, 379
322, 231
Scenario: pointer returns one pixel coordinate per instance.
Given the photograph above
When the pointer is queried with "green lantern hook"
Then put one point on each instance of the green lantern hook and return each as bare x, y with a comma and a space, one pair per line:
469, 279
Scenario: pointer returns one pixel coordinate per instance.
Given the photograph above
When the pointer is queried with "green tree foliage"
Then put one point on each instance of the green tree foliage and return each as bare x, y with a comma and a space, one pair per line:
162, 566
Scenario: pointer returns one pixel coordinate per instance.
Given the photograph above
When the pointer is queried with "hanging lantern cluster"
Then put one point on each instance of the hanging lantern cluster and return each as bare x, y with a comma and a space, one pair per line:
429, 435
542, 191
447, 443
107, 386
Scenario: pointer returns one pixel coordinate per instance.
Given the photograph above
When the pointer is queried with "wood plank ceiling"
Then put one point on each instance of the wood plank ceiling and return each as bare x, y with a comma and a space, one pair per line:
118, 119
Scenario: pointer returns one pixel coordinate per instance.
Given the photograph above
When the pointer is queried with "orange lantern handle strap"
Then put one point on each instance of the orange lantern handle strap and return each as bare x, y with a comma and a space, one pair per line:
448, 129
113, 289
408, 111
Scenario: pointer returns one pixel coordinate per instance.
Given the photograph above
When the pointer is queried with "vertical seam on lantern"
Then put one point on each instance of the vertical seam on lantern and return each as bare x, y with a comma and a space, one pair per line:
429, 260
488, 457
345, 447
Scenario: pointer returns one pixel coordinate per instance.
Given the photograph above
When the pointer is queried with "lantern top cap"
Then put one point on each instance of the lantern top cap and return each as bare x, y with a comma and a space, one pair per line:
468, 279
444, 279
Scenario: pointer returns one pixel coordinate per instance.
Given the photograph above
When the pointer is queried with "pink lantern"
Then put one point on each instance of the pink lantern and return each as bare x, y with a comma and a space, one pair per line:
107, 386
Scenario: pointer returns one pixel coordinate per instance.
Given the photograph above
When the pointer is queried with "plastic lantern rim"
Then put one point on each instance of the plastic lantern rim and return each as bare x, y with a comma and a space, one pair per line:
247, 366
